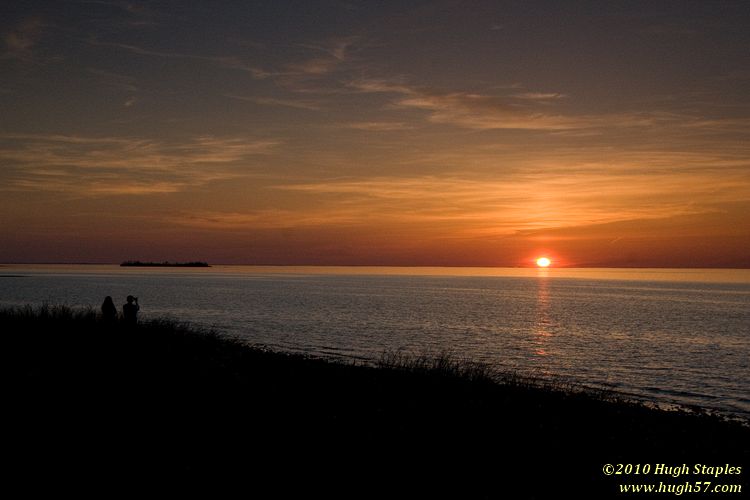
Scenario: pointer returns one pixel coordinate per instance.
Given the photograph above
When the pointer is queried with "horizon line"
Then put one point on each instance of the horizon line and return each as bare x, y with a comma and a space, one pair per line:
442, 266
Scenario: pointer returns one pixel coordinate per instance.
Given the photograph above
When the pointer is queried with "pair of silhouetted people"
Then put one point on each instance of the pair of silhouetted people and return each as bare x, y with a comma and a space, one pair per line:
129, 310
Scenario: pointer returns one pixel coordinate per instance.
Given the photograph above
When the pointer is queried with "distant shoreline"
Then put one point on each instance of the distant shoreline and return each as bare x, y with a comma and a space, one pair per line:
697, 275
399, 266
137, 263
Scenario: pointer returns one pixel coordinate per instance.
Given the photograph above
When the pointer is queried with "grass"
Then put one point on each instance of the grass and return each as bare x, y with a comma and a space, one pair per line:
89, 403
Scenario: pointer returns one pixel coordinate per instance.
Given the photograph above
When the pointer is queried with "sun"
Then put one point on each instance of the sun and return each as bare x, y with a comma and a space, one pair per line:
543, 262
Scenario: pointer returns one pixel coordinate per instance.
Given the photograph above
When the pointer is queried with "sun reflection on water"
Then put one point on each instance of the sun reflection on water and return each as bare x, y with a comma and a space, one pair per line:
541, 332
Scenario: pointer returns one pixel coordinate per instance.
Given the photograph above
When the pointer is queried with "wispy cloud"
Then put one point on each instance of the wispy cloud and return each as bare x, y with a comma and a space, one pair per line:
539, 96
87, 166
21, 39
229, 62
316, 66
474, 110
132, 14
533, 198
141, 15
307, 68
479, 111
115, 80
307, 104
449, 205
379, 126
267, 219
292, 75
306, 74
382, 86
524, 110
339, 47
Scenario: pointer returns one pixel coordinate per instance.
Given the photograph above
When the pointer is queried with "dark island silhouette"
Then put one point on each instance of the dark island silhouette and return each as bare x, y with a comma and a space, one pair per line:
98, 404
138, 263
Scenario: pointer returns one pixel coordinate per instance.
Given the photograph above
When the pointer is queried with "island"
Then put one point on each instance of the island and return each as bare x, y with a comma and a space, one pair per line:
138, 263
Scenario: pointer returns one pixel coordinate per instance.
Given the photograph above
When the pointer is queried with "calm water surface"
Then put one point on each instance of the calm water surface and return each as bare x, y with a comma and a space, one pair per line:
665, 335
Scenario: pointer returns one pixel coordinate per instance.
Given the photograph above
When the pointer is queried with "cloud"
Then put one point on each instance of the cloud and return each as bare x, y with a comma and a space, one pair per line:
115, 80
121, 13
539, 96
93, 166
229, 62
295, 76
20, 40
233, 62
120, 83
141, 15
478, 111
266, 219
522, 111
337, 48
311, 73
473, 110
379, 126
535, 197
382, 86
718, 124
307, 104
316, 66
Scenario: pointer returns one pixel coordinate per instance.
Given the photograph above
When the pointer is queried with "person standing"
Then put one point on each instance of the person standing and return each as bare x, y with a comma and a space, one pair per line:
109, 311
130, 310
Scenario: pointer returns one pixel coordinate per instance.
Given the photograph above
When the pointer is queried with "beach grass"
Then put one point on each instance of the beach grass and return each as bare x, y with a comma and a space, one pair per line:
169, 403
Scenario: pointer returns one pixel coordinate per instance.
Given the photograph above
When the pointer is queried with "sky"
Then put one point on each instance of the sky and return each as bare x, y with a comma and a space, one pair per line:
422, 133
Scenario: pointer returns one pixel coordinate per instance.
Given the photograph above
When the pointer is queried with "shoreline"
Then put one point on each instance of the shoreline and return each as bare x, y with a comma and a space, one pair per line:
196, 405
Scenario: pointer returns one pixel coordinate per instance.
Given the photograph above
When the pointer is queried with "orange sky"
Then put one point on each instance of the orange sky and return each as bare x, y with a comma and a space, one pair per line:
324, 133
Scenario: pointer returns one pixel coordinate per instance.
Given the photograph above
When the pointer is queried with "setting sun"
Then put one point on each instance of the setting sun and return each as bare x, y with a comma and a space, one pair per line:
543, 262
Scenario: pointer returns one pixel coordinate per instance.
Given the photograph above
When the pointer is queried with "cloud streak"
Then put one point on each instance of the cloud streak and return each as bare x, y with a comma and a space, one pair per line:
265, 219
379, 126
94, 166
528, 200
539, 96
521, 111
306, 104
228, 62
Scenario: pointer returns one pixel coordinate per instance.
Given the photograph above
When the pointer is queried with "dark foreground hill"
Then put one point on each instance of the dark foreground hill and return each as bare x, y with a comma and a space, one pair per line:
164, 409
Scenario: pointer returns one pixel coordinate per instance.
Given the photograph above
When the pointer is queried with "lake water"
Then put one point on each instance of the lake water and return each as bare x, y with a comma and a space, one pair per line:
669, 336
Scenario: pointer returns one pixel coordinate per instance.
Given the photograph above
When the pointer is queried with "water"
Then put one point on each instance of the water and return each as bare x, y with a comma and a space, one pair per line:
669, 336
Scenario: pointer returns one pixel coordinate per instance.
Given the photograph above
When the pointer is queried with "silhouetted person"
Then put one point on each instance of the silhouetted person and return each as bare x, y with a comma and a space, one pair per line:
130, 311
109, 311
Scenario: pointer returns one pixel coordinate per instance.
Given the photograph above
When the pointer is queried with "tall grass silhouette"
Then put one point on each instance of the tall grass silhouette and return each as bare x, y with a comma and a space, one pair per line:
169, 402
